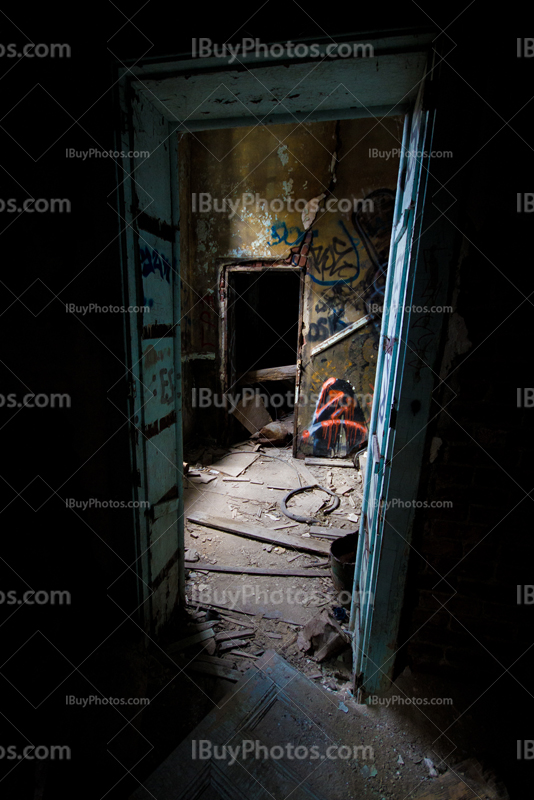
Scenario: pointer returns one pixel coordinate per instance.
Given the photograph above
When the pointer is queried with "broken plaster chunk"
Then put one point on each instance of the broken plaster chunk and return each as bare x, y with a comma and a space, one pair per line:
432, 771
268, 547
192, 555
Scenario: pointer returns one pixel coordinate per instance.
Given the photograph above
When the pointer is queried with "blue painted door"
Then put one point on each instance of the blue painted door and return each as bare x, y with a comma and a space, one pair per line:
374, 631
149, 194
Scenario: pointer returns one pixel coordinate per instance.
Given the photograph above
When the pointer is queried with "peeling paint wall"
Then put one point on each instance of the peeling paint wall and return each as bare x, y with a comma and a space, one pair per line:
225, 175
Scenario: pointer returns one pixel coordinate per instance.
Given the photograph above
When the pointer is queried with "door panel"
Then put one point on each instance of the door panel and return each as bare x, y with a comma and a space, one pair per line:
372, 555
151, 280
274, 707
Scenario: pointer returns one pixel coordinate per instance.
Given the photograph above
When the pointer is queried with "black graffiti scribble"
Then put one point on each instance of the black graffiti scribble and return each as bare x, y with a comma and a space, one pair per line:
374, 229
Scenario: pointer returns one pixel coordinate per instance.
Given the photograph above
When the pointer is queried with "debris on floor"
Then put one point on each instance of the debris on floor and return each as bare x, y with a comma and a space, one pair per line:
392, 750
246, 546
264, 582
323, 637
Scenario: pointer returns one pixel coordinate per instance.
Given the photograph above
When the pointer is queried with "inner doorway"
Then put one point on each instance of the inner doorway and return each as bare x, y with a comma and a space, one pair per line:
262, 326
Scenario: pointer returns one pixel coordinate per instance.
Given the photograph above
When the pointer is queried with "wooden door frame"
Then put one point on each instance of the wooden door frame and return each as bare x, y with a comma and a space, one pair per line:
226, 269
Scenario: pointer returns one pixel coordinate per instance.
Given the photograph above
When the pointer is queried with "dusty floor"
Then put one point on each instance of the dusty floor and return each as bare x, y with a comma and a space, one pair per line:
276, 608
294, 599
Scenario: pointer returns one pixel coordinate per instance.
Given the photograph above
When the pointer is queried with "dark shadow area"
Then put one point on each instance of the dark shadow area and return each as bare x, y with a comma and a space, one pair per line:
266, 319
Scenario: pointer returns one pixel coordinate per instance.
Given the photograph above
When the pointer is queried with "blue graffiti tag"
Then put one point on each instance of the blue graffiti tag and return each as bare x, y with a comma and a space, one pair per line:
151, 261
280, 234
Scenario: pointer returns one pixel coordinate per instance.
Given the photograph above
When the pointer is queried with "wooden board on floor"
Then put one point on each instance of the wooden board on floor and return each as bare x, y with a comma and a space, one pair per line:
261, 534
235, 463
225, 636
201, 478
332, 532
305, 475
328, 462
290, 573
190, 640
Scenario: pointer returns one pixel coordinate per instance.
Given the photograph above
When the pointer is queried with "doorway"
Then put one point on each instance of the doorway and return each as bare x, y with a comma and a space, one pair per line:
262, 326
158, 237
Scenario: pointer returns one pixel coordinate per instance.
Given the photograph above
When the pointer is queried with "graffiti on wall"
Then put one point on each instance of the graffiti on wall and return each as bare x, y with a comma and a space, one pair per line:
373, 222
336, 266
329, 318
291, 236
337, 262
348, 273
338, 425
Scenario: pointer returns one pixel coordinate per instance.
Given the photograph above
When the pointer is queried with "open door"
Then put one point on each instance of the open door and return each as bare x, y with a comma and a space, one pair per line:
382, 552
148, 204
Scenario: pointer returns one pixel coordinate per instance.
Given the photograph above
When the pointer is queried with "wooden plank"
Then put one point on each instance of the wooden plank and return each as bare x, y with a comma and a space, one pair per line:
318, 530
340, 335
242, 654
306, 477
232, 643
235, 620
189, 640
290, 573
252, 415
202, 477
289, 525
235, 463
270, 374
261, 534
228, 613
223, 636
328, 462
